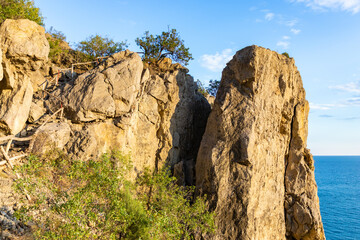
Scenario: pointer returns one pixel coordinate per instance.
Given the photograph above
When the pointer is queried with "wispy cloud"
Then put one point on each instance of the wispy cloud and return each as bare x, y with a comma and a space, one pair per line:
344, 5
295, 31
283, 44
325, 116
352, 87
349, 102
290, 23
269, 16
354, 101
350, 118
216, 62
322, 106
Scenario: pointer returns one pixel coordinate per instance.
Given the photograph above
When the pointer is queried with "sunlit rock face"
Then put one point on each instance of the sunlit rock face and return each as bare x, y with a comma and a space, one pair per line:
24, 53
253, 163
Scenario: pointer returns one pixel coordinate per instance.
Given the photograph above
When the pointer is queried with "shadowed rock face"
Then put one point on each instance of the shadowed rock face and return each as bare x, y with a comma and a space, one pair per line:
253, 163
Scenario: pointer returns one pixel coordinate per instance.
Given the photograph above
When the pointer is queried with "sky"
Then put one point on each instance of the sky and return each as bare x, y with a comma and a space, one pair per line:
323, 37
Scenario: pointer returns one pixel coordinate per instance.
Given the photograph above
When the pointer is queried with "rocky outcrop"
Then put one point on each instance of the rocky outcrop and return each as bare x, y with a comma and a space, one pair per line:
154, 114
107, 92
253, 163
24, 53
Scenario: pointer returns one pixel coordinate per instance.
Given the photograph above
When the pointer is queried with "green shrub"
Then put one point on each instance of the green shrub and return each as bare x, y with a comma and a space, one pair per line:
97, 199
98, 46
59, 49
285, 54
201, 89
17, 9
168, 44
213, 87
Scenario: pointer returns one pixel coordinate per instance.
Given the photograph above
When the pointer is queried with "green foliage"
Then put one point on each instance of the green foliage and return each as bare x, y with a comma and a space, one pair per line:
97, 200
171, 213
201, 89
285, 54
56, 41
18, 9
213, 87
168, 44
97, 46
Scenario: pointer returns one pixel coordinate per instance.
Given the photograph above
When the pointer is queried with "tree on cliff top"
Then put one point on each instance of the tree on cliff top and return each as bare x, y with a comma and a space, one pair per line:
18, 9
168, 44
97, 46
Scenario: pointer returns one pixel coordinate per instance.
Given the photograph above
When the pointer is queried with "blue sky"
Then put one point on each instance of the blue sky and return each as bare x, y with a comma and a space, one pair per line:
322, 35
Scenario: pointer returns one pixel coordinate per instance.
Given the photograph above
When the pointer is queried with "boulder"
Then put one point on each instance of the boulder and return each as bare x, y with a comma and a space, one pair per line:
50, 136
106, 92
15, 107
253, 162
23, 64
25, 51
37, 110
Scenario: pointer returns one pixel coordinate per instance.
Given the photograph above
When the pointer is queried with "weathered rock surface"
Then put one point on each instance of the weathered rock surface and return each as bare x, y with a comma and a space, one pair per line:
106, 93
253, 163
50, 136
24, 53
37, 110
157, 117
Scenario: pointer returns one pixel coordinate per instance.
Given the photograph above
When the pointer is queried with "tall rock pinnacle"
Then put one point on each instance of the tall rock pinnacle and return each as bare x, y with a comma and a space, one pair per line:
253, 163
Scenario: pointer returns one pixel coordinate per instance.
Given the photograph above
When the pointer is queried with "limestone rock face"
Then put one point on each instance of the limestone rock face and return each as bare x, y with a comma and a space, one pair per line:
253, 163
24, 39
108, 92
37, 110
25, 50
50, 136
158, 118
24, 53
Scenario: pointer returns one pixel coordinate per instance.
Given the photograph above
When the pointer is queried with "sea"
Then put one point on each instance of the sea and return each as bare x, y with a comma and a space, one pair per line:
338, 180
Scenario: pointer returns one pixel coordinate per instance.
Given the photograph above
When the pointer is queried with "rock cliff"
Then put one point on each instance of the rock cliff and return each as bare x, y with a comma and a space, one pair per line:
153, 117
24, 52
253, 163
252, 160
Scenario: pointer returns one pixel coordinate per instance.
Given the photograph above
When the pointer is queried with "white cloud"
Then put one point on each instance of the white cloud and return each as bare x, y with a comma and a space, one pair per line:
286, 37
269, 16
350, 102
325, 106
354, 101
353, 87
290, 23
217, 61
295, 31
344, 5
283, 44
319, 106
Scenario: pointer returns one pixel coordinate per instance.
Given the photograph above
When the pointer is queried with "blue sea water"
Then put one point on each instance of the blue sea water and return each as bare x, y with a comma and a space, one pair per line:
338, 180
